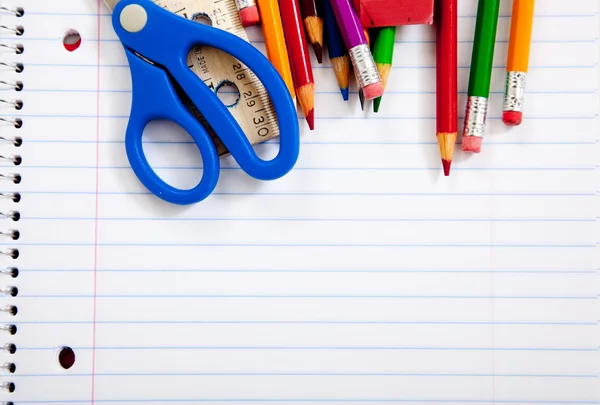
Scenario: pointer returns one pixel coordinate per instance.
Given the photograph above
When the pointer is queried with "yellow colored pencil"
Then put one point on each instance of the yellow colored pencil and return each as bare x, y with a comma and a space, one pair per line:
272, 28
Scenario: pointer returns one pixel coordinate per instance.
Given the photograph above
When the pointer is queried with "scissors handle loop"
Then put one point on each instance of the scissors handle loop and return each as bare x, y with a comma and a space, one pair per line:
153, 99
165, 39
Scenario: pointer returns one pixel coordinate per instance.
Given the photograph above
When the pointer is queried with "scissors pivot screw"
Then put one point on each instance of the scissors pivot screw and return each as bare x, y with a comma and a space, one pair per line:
133, 18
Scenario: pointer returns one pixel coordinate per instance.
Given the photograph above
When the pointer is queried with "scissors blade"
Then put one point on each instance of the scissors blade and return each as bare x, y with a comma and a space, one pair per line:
111, 4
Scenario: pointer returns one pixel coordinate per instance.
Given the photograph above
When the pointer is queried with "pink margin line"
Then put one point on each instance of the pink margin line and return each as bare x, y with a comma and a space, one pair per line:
99, 5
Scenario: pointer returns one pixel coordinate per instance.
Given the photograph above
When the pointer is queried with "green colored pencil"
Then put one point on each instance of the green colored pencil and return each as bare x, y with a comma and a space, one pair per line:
480, 74
383, 53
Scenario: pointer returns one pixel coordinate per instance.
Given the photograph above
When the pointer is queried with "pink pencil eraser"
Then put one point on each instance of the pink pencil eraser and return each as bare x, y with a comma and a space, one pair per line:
373, 91
471, 144
386, 13
512, 118
249, 16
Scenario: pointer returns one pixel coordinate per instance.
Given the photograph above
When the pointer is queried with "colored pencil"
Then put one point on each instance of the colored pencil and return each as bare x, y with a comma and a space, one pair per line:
248, 12
517, 64
302, 73
361, 93
312, 14
272, 29
486, 24
446, 79
384, 39
338, 55
358, 48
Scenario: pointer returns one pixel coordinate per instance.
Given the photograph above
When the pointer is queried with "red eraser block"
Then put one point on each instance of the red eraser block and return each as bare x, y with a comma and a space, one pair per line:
472, 144
512, 118
249, 16
385, 13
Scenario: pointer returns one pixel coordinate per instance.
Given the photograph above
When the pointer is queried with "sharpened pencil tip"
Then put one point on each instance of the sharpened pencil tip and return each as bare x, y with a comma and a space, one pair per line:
318, 48
446, 164
345, 93
446, 141
376, 104
310, 119
361, 97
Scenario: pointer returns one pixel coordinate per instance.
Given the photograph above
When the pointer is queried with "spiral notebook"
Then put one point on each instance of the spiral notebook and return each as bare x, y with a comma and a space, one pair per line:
363, 276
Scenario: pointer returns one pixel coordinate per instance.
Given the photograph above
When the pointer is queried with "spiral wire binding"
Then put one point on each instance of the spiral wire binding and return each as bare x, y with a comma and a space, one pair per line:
8, 157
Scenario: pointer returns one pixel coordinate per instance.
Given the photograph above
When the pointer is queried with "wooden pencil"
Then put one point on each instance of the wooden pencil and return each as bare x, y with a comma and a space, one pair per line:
517, 64
446, 79
355, 40
338, 55
272, 28
312, 15
384, 40
302, 73
480, 75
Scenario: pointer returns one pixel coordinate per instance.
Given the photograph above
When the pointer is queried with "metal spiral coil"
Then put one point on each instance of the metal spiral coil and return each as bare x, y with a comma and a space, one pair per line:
9, 106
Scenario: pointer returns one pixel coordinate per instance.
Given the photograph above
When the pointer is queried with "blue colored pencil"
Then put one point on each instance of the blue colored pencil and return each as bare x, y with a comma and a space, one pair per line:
338, 54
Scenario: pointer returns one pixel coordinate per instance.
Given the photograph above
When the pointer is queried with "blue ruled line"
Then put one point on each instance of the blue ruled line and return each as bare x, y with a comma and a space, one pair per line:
192, 167
341, 271
332, 93
289, 322
108, 15
327, 194
300, 118
311, 400
341, 245
324, 348
312, 143
309, 296
26, 39
306, 374
320, 66
288, 219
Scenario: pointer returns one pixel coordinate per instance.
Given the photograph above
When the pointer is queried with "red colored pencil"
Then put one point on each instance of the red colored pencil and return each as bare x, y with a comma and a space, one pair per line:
302, 73
446, 79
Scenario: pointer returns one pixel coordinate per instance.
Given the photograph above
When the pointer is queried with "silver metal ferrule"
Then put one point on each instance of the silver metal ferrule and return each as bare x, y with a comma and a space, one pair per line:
514, 91
366, 69
475, 116
242, 4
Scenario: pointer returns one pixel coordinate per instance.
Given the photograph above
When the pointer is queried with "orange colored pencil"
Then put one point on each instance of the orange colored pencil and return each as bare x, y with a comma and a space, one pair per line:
272, 28
297, 46
517, 64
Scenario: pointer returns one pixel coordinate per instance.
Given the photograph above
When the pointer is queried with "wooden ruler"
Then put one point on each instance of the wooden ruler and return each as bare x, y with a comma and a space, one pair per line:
220, 71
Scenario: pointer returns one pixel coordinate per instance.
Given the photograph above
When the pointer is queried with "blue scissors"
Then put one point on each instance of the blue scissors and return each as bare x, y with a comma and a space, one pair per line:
157, 43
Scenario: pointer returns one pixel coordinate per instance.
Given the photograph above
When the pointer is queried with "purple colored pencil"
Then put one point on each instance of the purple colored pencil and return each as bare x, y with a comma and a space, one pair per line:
358, 48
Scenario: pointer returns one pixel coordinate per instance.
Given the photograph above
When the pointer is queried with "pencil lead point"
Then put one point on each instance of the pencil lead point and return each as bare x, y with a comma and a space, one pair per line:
344, 93
361, 97
446, 164
376, 104
318, 48
310, 119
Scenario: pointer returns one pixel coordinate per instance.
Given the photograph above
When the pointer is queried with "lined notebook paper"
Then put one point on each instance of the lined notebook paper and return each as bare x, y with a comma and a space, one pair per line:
363, 276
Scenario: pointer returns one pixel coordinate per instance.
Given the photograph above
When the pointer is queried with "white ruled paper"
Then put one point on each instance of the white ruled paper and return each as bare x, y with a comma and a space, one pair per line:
362, 277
